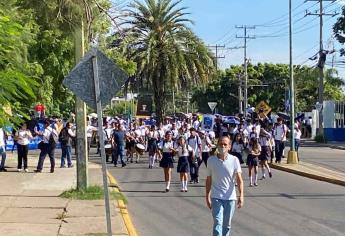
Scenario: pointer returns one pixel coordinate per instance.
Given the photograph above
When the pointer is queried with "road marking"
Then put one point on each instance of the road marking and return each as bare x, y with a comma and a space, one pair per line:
123, 208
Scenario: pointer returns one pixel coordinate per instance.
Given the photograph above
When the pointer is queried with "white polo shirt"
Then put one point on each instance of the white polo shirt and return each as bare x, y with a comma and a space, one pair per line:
223, 175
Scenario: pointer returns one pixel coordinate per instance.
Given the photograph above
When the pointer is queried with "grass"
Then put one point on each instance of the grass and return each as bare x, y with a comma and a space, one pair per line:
94, 192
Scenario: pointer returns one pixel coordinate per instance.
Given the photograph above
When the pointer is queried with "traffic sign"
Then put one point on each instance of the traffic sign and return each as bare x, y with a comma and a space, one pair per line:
212, 105
81, 79
263, 109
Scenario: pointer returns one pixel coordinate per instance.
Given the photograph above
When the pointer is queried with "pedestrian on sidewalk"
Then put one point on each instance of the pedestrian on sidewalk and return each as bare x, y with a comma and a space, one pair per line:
167, 148
252, 161
66, 137
266, 149
280, 131
50, 138
297, 135
3, 138
223, 171
183, 151
23, 137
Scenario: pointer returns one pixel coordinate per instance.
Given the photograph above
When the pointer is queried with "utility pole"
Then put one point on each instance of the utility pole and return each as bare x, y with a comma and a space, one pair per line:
82, 152
292, 155
217, 57
245, 37
240, 84
321, 55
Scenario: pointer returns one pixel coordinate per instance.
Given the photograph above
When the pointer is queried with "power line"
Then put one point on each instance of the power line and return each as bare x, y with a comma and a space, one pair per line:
245, 37
216, 57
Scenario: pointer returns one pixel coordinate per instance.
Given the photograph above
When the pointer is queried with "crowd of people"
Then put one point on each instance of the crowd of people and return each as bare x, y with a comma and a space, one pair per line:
254, 142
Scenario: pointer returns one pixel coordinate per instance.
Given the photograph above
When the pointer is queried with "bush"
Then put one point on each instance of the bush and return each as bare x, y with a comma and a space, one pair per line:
320, 138
94, 192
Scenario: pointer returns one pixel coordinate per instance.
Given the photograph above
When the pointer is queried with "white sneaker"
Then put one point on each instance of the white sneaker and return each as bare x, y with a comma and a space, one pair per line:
26, 170
20, 170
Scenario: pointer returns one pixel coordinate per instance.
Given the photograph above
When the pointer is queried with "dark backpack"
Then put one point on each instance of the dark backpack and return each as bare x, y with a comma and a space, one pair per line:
53, 140
63, 136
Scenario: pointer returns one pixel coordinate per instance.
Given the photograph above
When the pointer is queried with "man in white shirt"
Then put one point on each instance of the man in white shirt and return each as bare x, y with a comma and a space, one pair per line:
48, 148
2, 149
279, 133
223, 171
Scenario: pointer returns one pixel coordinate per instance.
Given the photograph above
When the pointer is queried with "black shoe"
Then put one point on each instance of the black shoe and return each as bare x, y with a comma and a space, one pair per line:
71, 166
38, 171
191, 182
270, 174
167, 190
3, 170
51, 170
123, 165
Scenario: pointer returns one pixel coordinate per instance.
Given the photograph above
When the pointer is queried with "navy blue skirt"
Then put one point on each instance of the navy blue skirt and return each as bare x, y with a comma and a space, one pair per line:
183, 165
265, 153
252, 160
167, 160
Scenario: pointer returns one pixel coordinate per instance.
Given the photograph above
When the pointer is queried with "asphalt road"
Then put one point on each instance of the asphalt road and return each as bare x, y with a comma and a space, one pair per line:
285, 205
324, 156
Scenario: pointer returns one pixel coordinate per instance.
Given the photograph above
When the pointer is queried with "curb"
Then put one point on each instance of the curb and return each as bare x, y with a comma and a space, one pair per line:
337, 147
123, 208
309, 175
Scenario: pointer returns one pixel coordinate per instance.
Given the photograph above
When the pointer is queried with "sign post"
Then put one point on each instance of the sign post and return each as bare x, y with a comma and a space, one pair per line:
101, 140
95, 80
212, 106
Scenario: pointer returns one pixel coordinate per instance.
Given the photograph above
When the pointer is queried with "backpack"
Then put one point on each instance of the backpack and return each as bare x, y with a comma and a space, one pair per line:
63, 136
53, 139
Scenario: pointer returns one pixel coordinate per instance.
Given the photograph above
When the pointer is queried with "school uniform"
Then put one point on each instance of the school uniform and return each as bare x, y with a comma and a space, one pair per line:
167, 159
183, 164
236, 150
265, 153
252, 160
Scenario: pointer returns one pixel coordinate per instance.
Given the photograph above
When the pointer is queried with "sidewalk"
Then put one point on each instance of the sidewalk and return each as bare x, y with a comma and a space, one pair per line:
331, 144
30, 202
312, 171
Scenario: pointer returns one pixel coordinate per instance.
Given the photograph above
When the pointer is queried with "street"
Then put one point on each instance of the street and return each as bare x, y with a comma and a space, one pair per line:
284, 205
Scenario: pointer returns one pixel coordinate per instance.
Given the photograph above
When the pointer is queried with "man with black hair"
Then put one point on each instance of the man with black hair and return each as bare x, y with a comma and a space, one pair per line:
49, 140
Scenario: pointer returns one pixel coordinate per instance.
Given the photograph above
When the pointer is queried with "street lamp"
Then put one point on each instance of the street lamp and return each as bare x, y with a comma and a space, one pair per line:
292, 156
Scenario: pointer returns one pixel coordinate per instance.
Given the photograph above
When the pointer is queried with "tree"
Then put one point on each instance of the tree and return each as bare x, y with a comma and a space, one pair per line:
17, 73
168, 54
57, 21
271, 84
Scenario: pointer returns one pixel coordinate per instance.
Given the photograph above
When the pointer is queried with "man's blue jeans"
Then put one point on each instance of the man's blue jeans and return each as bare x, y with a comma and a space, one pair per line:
3, 157
119, 151
222, 212
66, 152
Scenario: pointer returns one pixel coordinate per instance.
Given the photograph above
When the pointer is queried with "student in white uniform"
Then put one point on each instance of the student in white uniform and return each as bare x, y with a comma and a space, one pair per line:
166, 147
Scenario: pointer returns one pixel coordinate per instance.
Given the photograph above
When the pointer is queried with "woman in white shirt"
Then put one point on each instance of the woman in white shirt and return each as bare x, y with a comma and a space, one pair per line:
23, 137
238, 147
167, 148
298, 135
183, 151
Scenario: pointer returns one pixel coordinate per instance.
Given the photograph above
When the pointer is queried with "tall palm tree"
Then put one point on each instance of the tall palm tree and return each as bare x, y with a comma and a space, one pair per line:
165, 48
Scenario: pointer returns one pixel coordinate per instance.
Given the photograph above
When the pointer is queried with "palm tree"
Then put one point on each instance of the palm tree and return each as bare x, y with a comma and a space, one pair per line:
165, 49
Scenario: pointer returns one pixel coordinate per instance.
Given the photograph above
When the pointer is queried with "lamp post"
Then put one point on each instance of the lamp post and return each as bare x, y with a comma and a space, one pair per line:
292, 156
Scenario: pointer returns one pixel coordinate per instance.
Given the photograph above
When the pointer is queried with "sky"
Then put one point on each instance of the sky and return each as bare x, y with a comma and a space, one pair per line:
215, 21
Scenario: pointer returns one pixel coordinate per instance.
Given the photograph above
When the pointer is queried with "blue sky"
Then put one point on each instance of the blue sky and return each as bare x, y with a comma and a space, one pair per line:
215, 22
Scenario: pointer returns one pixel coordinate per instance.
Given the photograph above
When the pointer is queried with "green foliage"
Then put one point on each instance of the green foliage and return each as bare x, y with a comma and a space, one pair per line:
94, 192
167, 53
275, 77
17, 75
118, 109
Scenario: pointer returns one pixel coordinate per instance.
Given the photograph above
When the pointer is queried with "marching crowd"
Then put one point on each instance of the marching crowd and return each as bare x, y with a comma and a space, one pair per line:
253, 141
